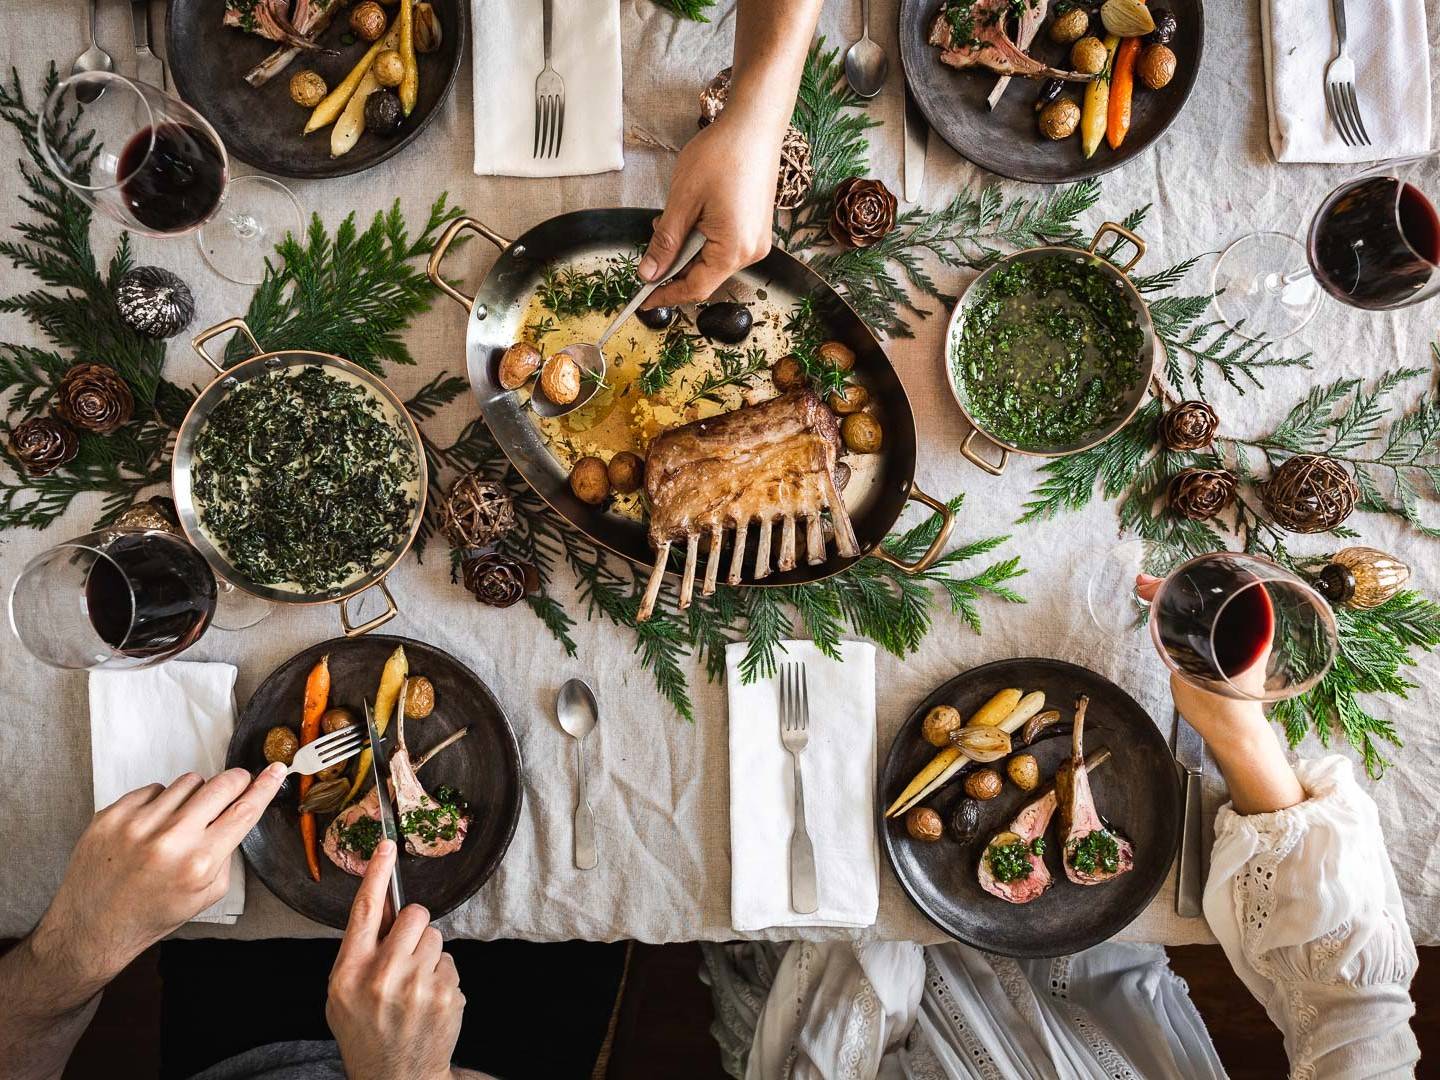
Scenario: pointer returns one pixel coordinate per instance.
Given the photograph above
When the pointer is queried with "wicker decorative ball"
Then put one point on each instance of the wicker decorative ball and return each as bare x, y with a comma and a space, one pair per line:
797, 167
477, 512
1191, 425
1310, 493
1200, 494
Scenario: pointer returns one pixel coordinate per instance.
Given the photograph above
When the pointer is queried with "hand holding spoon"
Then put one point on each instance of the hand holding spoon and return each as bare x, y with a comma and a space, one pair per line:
591, 358
866, 64
578, 713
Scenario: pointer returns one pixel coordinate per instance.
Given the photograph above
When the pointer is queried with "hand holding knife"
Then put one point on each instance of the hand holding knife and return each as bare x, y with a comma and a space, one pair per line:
388, 828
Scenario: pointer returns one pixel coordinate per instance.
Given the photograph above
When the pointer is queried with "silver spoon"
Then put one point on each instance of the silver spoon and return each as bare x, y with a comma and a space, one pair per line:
866, 64
578, 713
591, 358
92, 59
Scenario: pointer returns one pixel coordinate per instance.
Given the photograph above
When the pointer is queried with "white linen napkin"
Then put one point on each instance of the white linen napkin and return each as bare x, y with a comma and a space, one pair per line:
1390, 45
838, 769
508, 53
151, 725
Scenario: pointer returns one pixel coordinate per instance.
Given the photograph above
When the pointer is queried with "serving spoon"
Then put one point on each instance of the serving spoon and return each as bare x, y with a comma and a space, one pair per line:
92, 59
578, 713
866, 64
591, 358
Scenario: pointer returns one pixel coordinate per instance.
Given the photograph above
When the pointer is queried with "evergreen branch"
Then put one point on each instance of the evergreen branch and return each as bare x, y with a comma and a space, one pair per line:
695, 10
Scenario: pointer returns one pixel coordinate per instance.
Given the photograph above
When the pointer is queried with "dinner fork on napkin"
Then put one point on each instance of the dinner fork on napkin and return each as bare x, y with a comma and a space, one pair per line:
508, 52
150, 725
1390, 45
839, 791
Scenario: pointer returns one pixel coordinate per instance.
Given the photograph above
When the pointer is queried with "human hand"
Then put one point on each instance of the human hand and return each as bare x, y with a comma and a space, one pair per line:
395, 1003
723, 185
148, 863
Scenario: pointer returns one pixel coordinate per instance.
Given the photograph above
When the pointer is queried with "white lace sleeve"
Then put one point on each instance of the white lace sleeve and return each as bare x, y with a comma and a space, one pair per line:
1305, 903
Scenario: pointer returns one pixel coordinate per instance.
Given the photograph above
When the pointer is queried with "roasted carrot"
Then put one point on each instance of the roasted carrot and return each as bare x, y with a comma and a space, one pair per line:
1122, 88
317, 696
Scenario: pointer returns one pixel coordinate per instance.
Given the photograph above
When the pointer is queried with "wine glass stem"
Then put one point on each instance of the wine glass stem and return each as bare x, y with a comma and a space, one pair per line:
245, 226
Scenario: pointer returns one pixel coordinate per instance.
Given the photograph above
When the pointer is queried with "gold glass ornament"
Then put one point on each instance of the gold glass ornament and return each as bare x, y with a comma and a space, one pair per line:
1362, 577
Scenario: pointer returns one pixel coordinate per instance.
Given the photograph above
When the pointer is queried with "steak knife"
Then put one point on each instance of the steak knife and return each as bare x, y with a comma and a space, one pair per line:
917, 132
149, 68
387, 814
1189, 751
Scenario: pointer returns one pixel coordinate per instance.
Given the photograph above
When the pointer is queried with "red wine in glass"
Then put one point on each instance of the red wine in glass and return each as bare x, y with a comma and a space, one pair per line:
1375, 242
173, 183
1216, 621
173, 592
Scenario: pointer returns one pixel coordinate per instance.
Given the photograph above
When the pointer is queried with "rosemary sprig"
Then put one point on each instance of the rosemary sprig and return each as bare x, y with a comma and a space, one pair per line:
736, 370
677, 351
568, 291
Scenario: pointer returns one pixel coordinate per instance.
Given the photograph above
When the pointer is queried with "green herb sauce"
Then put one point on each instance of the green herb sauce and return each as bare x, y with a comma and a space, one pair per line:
1098, 850
436, 819
1010, 862
363, 837
1049, 353
303, 479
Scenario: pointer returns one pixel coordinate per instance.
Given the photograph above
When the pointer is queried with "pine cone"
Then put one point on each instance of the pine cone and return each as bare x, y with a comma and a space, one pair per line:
499, 580
477, 512
864, 211
1191, 425
797, 170
94, 397
1200, 494
42, 444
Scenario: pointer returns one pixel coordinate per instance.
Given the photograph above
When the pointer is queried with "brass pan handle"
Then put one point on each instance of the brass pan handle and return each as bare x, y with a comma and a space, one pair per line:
199, 340
1124, 234
391, 610
947, 523
437, 256
972, 456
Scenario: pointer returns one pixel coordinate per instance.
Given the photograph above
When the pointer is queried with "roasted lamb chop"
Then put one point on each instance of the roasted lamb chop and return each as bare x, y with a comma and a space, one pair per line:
1022, 874
1093, 854
311, 19
971, 33
269, 19
431, 828
763, 463
1031, 19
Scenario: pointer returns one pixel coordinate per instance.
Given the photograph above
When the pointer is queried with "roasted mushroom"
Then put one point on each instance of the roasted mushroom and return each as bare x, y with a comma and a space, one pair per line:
923, 824
838, 355
383, 112
725, 321
1165, 27
388, 68
861, 433
1156, 67
658, 318
939, 723
850, 398
1088, 56
518, 363
280, 745
965, 821
788, 373
1024, 771
367, 20
307, 89
590, 480
1060, 118
626, 471
419, 697
560, 379
1069, 26
983, 784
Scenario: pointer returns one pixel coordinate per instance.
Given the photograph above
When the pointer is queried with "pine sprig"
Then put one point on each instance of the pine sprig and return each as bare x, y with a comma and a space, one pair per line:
695, 10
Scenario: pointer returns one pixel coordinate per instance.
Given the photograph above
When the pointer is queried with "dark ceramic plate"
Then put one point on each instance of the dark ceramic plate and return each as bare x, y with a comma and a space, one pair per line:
484, 766
1008, 141
262, 126
1137, 793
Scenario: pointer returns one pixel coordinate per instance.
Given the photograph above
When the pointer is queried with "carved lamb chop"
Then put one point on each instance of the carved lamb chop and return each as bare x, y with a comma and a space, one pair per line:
1093, 854
988, 45
269, 19
757, 465
430, 828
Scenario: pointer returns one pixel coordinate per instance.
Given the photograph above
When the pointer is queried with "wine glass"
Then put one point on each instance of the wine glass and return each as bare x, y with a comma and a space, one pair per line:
118, 598
1374, 243
157, 167
1232, 624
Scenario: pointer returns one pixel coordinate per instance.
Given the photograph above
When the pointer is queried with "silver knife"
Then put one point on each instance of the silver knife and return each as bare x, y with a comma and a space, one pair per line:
1189, 751
917, 132
387, 814
149, 68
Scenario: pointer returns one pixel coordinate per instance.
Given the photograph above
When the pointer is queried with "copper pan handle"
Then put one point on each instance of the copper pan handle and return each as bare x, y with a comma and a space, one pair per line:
972, 456
198, 341
1125, 234
947, 523
437, 256
391, 610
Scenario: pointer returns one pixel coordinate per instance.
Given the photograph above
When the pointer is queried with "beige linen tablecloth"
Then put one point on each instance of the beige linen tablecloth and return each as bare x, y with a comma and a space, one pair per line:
659, 785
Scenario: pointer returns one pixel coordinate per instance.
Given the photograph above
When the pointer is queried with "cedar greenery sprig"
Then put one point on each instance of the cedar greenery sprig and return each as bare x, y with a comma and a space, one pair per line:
76, 312
695, 10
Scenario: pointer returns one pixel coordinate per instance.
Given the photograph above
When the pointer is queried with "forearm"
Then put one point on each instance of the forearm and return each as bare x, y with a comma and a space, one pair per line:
50, 1000
1246, 748
772, 38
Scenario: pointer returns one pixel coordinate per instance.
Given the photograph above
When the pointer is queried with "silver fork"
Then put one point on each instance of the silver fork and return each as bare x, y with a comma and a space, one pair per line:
1340, 88
327, 750
795, 736
549, 97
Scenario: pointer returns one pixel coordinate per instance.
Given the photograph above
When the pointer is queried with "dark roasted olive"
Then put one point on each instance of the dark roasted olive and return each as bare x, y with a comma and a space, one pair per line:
725, 322
1165, 27
965, 821
382, 112
1050, 89
657, 318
